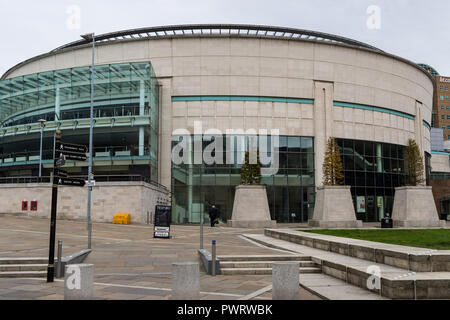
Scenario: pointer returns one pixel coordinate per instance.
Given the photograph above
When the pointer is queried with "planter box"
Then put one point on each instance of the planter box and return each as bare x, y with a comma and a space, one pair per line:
414, 207
251, 208
334, 209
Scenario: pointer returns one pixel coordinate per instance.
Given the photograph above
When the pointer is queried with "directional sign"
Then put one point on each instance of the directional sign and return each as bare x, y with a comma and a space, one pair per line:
60, 162
61, 173
71, 182
62, 146
76, 156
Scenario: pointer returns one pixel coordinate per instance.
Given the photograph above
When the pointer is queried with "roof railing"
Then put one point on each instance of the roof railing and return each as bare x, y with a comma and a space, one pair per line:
219, 30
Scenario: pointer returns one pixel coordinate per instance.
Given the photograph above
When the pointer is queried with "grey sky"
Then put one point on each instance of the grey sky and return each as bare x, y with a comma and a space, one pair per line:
414, 29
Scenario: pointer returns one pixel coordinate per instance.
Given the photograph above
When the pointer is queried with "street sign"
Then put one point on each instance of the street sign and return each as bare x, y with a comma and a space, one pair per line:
60, 162
61, 173
62, 146
72, 155
92, 184
71, 182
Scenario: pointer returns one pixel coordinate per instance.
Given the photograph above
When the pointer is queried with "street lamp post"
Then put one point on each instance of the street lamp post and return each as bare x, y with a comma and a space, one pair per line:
42, 124
90, 37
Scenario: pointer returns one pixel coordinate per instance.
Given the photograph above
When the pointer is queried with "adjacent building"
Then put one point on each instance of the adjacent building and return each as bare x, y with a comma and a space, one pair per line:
442, 105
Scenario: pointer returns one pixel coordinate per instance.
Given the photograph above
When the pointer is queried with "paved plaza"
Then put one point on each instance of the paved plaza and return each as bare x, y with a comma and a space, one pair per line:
129, 263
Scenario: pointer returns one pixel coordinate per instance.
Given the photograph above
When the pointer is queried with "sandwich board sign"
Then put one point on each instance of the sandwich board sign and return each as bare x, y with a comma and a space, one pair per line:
163, 218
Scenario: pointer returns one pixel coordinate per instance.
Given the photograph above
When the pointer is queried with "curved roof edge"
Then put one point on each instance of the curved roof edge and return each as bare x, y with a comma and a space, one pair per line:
218, 30
215, 30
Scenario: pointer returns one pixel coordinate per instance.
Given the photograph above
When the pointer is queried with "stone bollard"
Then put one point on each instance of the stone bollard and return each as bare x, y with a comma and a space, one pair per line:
285, 280
186, 281
79, 282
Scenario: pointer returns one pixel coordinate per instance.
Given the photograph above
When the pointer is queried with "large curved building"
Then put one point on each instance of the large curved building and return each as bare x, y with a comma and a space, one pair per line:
150, 82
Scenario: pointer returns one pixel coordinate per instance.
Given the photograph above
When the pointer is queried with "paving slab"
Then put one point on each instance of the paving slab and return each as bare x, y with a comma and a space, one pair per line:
128, 256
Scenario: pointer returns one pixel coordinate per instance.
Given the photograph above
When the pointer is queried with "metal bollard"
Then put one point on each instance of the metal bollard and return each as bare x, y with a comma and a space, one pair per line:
213, 262
59, 268
201, 231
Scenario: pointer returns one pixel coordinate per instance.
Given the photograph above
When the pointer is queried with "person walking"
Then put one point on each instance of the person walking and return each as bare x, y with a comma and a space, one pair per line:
213, 215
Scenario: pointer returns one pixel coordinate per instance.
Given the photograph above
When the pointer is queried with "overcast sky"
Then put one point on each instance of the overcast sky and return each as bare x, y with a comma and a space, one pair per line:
418, 30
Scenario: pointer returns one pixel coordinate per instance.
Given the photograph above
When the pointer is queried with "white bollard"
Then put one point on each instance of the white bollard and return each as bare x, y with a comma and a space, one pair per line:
285, 280
186, 281
79, 282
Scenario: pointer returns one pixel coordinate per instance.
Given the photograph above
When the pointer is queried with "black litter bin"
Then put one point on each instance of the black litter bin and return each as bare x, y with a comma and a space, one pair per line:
444, 216
387, 223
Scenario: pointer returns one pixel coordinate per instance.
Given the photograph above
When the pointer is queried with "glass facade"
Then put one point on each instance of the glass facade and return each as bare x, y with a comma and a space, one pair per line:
373, 170
122, 93
195, 187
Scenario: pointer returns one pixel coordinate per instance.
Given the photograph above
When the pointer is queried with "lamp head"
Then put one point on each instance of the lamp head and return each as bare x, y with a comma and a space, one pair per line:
88, 37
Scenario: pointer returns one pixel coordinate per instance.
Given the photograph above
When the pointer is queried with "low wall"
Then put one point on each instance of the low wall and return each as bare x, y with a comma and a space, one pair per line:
108, 198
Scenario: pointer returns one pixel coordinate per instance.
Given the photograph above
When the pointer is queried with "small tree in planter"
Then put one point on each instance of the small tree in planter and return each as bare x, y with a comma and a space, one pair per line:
413, 164
251, 208
414, 204
251, 172
334, 205
332, 165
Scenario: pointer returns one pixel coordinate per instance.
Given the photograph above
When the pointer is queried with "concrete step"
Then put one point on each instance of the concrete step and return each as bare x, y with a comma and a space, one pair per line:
23, 274
263, 258
262, 271
4, 261
395, 283
23, 267
259, 264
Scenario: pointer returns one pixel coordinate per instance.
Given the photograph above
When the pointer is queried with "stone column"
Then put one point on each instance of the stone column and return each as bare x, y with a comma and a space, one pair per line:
141, 113
79, 282
323, 124
285, 280
186, 281
165, 133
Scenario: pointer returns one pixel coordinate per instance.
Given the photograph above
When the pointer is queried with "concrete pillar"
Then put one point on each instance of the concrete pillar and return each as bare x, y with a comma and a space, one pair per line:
285, 280
141, 141
79, 282
141, 113
142, 98
323, 124
186, 281
379, 158
57, 104
165, 133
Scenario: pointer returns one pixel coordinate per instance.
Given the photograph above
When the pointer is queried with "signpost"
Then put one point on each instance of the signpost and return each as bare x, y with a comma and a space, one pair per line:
163, 218
63, 152
71, 182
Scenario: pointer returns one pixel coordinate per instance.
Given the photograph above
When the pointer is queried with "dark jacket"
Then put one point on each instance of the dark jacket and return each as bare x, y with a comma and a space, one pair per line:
213, 213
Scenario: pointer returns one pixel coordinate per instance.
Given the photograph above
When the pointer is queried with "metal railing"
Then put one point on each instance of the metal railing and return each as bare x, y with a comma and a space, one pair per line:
98, 178
48, 153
